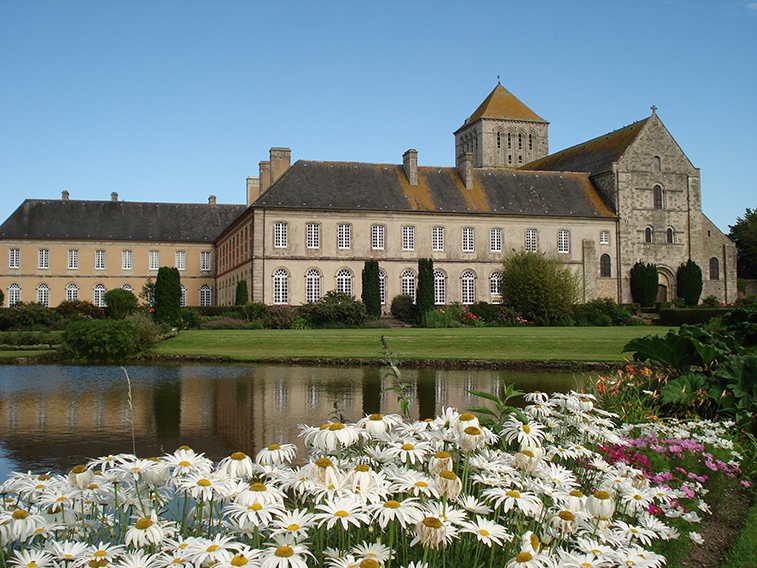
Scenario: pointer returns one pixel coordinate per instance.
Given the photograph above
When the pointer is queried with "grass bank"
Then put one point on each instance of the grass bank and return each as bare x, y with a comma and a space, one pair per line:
595, 344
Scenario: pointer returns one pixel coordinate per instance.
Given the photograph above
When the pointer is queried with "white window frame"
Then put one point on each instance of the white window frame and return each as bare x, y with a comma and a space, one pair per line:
280, 235
563, 241
382, 287
407, 283
72, 292
43, 257
313, 285
604, 237
100, 259
469, 239
43, 294
495, 240
344, 237
313, 236
154, 256
14, 294
532, 240
127, 259
468, 287
128, 288
98, 295
344, 281
408, 237
280, 287
205, 260
440, 288
180, 258
378, 237
495, 286
183, 302
437, 239
206, 298
14, 258
73, 259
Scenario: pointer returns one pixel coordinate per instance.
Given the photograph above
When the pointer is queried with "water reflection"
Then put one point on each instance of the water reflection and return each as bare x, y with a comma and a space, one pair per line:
54, 417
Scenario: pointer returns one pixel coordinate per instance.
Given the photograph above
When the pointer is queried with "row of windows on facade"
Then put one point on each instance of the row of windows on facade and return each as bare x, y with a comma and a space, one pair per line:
98, 297
378, 238
669, 235
127, 259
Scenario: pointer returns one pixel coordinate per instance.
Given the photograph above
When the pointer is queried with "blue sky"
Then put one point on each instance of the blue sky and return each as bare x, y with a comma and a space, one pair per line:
178, 100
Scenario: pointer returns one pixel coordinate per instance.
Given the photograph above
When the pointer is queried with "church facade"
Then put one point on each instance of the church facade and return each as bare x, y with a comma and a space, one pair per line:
630, 195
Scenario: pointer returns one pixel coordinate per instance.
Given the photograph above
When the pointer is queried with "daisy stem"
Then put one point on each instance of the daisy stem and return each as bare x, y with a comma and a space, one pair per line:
391, 544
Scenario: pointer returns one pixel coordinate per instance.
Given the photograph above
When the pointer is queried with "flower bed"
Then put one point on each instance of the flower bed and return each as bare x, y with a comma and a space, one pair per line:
554, 485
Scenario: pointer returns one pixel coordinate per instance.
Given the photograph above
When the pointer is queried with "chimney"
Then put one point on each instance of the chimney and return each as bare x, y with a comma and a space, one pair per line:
465, 169
410, 164
212, 200
114, 196
64, 195
253, 189
264, 179
281, 159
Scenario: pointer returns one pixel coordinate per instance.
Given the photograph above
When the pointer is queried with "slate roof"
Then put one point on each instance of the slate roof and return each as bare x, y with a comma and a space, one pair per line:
502, 104
592, 157
118, 220
384, 187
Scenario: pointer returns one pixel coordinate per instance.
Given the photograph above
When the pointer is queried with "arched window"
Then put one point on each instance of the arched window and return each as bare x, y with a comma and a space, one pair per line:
72, 292
43, 294
312, 285
99, 298
407, 283
440, 288
530, 141
344, 281
605, 266
280, 287
669, 236
499, 140
128, 288
205, 297
656, 164
468, 280
495, 287
509, 140
183, 302
14, 294
714, 269
657, 197
648, 235
382, 286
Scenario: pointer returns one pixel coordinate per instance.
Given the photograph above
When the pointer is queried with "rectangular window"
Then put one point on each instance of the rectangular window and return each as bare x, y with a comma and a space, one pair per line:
181, 260
437, 239
408, 238
468, 234
313, 236
205, 260
154, 259
377, 237
495, 240
99, 260
73, 259
14, 259
127, 260
604, 237
44, 258
532, 240
343, 236
280, 235
563, 241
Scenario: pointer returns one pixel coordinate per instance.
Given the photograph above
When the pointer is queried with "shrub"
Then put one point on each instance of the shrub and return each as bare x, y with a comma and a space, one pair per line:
280, 317
101, 340
441, 317
2, 298
149, 331
711, 302
674, 318
689, 278
540, 288
371, 295
335, 308
253, 310
403, 308
644, 284
602, 311
80, 308
226, 323
484, 311
242, 296
212, 311
23, 338
167, 296
189, 319
120, 303
508, 316
424, 298
31, 316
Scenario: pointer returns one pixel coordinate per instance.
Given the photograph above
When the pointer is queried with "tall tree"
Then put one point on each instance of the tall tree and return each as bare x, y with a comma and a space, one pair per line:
242, 296
689, 278
645, 283
424, 298
371, 295
744, 234
167, 304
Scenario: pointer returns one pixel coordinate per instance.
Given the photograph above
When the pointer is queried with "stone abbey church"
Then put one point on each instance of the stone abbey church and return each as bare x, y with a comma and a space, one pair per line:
601, 206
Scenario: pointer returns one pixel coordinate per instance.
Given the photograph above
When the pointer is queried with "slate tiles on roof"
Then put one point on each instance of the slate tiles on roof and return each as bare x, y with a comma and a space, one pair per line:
118, 220
592, 157
384, 187
501, 103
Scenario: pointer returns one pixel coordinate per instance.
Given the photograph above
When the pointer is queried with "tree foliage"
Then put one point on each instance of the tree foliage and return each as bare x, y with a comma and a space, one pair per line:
744, 234
242, 295
167, 304
539, 287
425, 294
644, 284
371, 295
120, 302
689, 282
335, 308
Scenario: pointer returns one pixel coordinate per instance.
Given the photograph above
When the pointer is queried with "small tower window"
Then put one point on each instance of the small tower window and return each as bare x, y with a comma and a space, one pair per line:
520, 141
648, 235
656, 164
509, 140
605, 266
714, 269
499, 139
530, 141
657, 197
669, 236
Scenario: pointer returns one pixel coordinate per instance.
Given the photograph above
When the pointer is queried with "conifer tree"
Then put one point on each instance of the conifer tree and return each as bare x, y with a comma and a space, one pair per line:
425, 293
644, 284
371, 295
689, 282
167, 303
242, 296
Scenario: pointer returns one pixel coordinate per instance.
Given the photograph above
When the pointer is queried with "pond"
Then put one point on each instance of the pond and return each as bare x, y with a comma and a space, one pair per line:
54, 417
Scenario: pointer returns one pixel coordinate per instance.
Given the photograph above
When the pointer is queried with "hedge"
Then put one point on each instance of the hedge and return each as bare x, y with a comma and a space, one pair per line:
675, 317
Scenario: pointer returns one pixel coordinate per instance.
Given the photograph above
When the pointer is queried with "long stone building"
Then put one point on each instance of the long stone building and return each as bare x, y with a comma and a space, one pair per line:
629, 195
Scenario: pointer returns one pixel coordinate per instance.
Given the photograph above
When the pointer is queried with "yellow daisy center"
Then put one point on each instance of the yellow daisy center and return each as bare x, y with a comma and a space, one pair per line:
513, 494
324, 462
341, 513
20, 514
467, 417
407, 447
483, 532
432, 523
257, 487
78, 469
447, 475
143, 524
336, 426
293, 527
376, 417
185, 463
255, 507
392, 504
284, 551
442, 455
204, 482
238, 456
273, 447
472, 431
362, 467
238, 560
602, 495
524, 557
566, 515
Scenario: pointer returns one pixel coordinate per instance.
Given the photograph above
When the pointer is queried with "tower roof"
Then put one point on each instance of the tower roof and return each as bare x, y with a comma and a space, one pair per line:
502, 104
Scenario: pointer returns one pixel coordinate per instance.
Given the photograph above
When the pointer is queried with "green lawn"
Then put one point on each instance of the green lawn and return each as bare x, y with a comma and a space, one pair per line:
485, 343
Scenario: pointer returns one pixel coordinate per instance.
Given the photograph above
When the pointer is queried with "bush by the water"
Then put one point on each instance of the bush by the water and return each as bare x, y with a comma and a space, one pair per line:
106, 340
120, 303
334, 308
28, 317
79, 308
28, 338
602, 312
403, 308
167, 304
